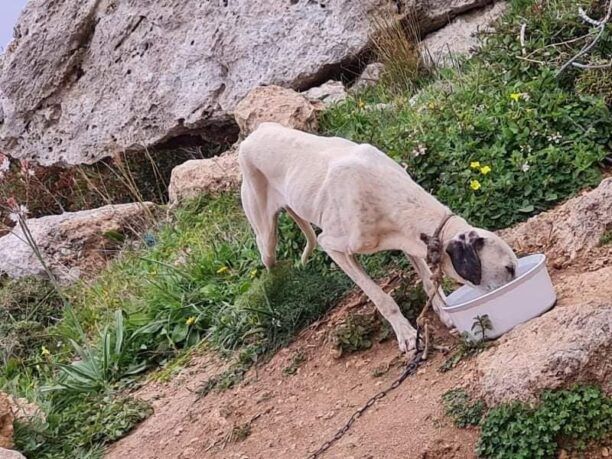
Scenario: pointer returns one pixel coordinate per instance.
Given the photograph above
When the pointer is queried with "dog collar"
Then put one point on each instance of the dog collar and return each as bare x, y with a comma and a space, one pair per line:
434, 244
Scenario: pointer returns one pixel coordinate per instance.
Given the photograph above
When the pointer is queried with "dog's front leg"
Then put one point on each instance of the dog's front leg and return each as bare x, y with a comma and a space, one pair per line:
405, 333
420, 266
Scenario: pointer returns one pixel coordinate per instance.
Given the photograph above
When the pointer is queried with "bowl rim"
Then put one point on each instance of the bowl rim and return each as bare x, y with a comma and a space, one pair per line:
541, 262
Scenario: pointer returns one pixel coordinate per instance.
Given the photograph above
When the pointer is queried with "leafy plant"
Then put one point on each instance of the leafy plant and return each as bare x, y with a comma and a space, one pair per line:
606, 238
574, 417
458, 405
81, 428
100, 366
298, 359
357, 333
481, 325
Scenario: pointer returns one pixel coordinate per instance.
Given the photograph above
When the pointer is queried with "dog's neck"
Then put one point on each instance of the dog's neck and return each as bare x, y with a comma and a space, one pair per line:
454, 226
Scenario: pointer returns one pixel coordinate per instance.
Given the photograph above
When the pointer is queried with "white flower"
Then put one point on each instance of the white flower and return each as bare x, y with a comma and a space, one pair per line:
556, 137
18, 213
420, 150
525, 167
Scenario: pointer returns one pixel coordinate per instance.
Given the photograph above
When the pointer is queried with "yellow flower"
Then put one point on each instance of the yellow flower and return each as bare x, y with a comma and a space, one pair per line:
515, 96
44, 351
253, 274
360, 103
222, 269
475, 164
431, 105
192, 320
475, 185
485, 170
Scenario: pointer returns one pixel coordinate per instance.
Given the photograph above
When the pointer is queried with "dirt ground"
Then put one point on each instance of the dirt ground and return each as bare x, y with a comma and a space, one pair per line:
273, 415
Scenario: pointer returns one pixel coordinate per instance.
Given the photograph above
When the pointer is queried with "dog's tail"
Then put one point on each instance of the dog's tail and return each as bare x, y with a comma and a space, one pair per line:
311, 237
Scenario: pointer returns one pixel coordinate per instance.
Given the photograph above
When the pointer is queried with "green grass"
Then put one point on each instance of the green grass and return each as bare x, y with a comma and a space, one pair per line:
498, 139
571, 418
461, 409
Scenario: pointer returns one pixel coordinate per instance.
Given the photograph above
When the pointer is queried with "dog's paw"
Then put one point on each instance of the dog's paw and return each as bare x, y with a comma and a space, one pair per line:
406, 337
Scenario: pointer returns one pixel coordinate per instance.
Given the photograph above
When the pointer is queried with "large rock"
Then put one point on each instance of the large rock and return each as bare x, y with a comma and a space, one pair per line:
274, 103
567, 345
567, 231
331, 92
85, 79
460, 37
369, 77
6, 422
201, 176
72, 243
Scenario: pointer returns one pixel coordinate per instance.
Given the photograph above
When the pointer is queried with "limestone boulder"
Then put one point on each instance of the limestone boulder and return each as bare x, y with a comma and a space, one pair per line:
566, 345
204, 176
278, 104
86, 79
569, 230
73, 243
330, 92
461, 36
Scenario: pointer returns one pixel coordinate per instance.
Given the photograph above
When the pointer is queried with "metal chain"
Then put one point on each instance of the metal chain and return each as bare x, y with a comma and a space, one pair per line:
410, 369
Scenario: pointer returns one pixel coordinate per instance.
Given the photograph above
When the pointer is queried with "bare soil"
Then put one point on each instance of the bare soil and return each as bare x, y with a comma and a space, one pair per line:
275, 415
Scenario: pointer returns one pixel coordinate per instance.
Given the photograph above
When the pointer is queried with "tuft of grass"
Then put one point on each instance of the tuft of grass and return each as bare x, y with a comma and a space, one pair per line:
461, 409
606, 238
571, 417
396, 45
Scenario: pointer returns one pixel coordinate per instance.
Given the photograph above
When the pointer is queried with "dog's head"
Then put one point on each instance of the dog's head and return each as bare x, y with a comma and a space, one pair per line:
479, 258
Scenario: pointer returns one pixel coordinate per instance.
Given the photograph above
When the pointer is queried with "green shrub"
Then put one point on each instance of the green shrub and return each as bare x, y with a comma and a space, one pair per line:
574, 417
461, 409
358, 332
79, 429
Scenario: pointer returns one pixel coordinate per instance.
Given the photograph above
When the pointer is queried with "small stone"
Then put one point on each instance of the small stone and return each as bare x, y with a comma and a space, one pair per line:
605, 452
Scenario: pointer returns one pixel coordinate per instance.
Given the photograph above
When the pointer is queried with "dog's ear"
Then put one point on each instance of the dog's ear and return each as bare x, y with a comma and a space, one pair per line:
463, 252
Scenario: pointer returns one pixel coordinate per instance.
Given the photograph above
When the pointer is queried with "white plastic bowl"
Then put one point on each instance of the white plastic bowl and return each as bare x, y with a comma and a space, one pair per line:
529, 295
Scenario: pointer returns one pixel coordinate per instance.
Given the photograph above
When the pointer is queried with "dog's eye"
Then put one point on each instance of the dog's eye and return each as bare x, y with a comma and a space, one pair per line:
511, 270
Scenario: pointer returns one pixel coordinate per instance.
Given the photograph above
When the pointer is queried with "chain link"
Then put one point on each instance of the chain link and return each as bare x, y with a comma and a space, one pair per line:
410, 369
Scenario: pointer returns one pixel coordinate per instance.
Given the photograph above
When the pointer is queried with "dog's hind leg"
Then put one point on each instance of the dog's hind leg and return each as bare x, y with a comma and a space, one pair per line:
311, 237
262, 212
404, 332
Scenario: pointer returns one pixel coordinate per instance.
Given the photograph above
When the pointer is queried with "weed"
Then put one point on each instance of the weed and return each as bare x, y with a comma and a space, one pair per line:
458, 405
480, 326
606, 238
240, 432
79, 429
299, 357
357, 333
467, 348
574, 417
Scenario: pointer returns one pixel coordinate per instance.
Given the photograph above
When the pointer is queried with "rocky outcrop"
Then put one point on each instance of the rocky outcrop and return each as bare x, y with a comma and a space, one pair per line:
567, 345
568, 230
85, 79
274, 103
460, 37
6, 422
73, 243
202, 176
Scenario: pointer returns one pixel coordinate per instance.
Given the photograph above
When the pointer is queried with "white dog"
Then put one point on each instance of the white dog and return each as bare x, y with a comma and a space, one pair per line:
364, 202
